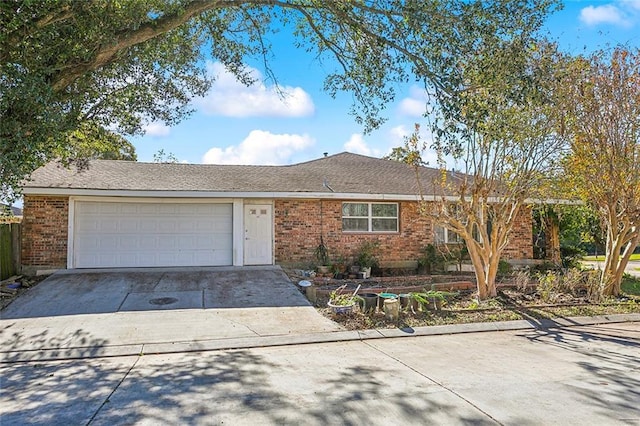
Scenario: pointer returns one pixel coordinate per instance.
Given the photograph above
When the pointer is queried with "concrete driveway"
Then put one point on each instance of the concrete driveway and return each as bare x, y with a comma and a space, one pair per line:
79, 313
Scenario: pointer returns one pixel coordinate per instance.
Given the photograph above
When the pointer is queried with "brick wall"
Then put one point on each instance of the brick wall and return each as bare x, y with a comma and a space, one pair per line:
521, 238
298, 224
44, 232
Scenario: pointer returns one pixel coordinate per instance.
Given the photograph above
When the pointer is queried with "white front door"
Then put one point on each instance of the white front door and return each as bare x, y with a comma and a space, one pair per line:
258, 234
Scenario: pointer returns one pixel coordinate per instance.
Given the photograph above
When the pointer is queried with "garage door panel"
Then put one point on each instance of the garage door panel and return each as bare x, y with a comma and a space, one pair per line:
108, 224
152, 234
129, 225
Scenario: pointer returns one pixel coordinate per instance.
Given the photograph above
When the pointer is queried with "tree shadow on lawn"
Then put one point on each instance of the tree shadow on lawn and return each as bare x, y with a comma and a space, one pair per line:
612, 371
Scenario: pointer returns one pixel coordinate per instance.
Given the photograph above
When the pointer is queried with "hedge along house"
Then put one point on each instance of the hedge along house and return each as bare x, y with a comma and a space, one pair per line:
115, 214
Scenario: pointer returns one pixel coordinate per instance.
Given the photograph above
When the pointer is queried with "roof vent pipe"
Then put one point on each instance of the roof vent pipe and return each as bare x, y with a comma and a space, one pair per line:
326, 153
326, 185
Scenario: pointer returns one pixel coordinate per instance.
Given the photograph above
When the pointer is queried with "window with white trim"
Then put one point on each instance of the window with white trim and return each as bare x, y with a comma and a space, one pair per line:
446, 236
370, 217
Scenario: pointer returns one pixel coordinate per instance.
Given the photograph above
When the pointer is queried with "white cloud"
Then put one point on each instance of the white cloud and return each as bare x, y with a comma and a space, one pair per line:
157, 129
260, 147
357, 145
631, 4
606, 14
397, 137
415, 104
230, 98
398, 134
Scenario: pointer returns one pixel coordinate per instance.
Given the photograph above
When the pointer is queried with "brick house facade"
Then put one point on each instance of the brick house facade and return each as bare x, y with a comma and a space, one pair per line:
114, 211
298, 225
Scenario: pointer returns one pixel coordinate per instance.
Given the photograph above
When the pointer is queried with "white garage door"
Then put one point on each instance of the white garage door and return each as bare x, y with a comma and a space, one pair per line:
139, 234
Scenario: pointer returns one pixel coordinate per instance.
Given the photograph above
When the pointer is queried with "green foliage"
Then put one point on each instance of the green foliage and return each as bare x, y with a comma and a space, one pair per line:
580, 229
433, 297
339, 298
552, 284
504, 267
430, 259
91, 141
164, 157
124, 64
631, 284
571, 256
322, 253
366, 254
599, 103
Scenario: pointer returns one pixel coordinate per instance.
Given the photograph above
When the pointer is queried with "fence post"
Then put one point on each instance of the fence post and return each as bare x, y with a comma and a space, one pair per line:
16, 240
9, 249
6, 255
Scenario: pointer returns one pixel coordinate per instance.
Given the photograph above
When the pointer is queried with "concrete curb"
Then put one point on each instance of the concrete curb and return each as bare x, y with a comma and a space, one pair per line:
59, 354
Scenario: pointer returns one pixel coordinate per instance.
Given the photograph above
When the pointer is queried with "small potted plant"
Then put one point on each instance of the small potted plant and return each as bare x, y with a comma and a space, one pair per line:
322, 256
339, 268
342, 303
433, 299
366, 257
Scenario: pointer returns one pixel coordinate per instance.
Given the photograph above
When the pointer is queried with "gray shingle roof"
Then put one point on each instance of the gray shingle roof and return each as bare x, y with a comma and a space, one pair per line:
344, 173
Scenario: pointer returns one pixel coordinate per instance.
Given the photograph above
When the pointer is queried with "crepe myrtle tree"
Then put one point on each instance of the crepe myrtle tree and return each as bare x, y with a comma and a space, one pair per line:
600, 99
124, 64
498, 129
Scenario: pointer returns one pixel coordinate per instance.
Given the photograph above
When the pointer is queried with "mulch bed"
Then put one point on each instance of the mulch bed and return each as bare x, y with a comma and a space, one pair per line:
510, 304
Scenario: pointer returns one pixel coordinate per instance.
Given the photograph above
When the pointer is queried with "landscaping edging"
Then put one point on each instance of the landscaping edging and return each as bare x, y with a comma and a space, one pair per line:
451, 286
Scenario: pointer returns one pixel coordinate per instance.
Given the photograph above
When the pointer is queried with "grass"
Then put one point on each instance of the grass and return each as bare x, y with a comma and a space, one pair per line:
635, 256
631, 285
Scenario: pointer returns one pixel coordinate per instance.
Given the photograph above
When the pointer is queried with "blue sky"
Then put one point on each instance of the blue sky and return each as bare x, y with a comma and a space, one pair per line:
234, 124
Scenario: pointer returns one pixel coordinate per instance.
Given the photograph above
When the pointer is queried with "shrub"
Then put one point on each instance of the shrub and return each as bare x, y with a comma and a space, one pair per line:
521, 279
504, 267
366, 254
429, 259
549, 286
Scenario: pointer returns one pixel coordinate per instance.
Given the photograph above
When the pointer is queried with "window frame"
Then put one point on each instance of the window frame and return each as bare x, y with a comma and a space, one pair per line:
370, 217
446, 239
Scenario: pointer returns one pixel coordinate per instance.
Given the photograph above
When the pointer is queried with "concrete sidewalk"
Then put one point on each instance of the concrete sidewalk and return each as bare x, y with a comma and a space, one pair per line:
83, 345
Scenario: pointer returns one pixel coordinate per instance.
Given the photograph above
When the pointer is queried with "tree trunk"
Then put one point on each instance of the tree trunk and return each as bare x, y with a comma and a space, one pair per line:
618, 253
553, 240
485, 271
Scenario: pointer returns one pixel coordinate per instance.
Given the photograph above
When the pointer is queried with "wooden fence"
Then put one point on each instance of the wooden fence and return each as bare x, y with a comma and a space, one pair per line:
9, 249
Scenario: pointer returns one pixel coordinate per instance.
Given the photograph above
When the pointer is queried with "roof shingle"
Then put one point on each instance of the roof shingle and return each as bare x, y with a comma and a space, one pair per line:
343, 173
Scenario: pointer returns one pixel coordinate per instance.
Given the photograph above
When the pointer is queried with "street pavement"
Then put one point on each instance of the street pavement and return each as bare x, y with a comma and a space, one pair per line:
584, 375
632, 268
243, 346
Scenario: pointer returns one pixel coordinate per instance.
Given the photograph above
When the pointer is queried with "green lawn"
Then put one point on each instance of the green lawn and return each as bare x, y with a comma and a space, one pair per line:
635, 256
631, 285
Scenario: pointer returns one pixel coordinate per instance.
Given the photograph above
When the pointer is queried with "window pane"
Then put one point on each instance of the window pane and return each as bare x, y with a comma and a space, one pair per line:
453, 237
439, 234
384, 210
384, 225
355, 225
355, 209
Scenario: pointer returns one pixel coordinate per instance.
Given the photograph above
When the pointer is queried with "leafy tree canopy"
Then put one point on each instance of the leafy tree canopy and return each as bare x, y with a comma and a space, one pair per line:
90, 141
120, 64
599, 98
